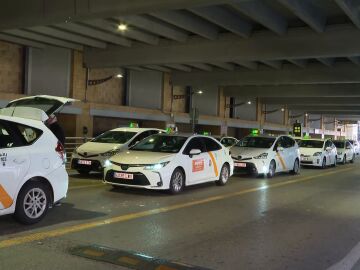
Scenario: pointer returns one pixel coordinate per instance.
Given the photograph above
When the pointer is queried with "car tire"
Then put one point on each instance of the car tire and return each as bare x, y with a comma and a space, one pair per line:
323, 164
296, 168
335, 162
272, 169
32, 203
344, 160
353, 159
177, 182
224, 175
83, 171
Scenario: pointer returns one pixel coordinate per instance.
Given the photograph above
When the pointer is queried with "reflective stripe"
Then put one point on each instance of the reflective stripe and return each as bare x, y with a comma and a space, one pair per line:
283, 165
216, 171
5, 198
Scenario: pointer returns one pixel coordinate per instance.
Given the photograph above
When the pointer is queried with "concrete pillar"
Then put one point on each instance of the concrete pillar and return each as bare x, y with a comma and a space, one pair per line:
167, 93
286, 117
85, 122
260, 117
222, 102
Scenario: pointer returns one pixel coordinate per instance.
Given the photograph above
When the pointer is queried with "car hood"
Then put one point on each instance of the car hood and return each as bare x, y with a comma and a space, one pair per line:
141, 157
309, 151
246, 152
93, 148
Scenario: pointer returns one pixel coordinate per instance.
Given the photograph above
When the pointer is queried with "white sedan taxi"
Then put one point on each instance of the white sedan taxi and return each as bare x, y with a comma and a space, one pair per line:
266, 155
170, 162
32, 160
318, 153
345, 151
91, 156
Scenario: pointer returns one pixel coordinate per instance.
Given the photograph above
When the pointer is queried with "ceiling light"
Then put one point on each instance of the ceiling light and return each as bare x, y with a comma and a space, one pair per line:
122, 27
200, 92
282, 109
306, 114
119, 75
249, 102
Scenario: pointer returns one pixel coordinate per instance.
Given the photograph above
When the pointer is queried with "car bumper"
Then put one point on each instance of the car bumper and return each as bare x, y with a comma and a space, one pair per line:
59, 180
97, 164
311, 161
252, 166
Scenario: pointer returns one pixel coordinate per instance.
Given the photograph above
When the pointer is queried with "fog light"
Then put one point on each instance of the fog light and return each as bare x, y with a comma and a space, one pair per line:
159, 184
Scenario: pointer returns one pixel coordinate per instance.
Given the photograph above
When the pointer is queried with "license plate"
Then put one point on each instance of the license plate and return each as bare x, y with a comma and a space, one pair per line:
240, 164
127, 176
84, 162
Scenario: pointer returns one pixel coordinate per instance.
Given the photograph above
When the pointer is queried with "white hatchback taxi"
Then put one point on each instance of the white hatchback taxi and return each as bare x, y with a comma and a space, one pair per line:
170, 162
345, 151
266, 155
32, 160
318, 153
91, 156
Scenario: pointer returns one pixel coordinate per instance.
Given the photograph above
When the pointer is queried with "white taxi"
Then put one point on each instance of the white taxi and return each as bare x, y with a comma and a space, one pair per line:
32, 160
228, 141
91, 156
345, 151
318, 153
356, 145
266, 155
170, 162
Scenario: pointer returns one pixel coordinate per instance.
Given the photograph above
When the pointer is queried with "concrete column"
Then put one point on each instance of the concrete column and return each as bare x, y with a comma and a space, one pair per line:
222, 102
260, 117
84, 121
286, 117
167, 94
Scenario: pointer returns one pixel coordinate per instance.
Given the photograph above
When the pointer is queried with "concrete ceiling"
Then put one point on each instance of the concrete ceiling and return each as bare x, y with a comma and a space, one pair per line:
282, 50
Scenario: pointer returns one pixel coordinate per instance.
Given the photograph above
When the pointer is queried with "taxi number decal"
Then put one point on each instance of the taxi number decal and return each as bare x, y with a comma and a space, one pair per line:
198, 165
3, 158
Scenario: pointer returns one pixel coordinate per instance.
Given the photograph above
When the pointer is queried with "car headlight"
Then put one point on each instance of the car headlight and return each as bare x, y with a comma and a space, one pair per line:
107, 163
157, 166
317, 154
262, 156
110, 153
339, 153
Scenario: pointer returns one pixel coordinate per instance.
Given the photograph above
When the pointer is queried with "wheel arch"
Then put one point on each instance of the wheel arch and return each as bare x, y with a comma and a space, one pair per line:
183, 171
43, 180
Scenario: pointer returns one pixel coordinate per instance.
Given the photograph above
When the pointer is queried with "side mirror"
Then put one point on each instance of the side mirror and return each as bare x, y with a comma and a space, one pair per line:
280, 149
194, 152
328, 149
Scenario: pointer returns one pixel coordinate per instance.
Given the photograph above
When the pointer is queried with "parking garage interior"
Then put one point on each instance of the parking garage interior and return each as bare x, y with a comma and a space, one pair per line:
210, 67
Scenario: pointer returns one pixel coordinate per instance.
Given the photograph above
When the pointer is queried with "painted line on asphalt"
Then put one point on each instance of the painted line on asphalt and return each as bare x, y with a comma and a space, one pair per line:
349, 261
14, 240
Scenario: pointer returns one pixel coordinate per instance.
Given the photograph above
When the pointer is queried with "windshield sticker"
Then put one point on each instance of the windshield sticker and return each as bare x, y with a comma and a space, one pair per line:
198, 165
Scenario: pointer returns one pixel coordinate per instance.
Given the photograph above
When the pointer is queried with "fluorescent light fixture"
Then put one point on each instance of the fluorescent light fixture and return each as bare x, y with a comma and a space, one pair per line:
122, 27
119, 75
249, 102
200, 92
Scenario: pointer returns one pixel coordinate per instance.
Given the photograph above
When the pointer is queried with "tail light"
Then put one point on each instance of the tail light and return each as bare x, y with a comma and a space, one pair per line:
61, 151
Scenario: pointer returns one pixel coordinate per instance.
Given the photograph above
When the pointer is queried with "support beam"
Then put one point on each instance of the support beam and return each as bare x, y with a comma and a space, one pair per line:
299, 62
333, 113
309, 13
351, 8
333, 108
299, 43
201, 66
224, 18
56, 33
134, 68
44, 39
91, 32
179, 67
248, 64
226, 66
131, 33
263, 14
327, 61
158, 68
21, 14
315, 73
330, 90
22, 41
330, 101
188, 22
153, 26
277, 64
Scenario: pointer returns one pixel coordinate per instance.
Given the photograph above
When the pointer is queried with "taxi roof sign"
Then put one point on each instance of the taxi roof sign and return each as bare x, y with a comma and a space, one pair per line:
134, 125
255, 132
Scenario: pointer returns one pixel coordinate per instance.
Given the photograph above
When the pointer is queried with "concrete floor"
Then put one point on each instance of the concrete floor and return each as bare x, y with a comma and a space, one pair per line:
309, 221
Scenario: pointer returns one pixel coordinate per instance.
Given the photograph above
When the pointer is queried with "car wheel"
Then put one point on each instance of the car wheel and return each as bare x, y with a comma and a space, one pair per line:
272, 169
353, 159
335, 162
344, 160
323, 164
224, 175
32, 203
296, 168
177, 181
83, 171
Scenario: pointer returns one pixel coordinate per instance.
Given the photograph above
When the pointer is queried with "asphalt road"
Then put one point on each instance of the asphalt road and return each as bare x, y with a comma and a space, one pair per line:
309, 221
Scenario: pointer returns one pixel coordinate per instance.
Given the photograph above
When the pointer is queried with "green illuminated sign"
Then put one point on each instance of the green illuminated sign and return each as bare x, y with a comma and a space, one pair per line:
206, 133
297, 130
255, 132
134, 125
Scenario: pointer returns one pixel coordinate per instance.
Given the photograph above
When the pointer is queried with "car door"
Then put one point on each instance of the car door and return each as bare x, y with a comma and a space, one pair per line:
349, 150
282, 153
197, 165
329, 154
215, 159
290, 152
14, 162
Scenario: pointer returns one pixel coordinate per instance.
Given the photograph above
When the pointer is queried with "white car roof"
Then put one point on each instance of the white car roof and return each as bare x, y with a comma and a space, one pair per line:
137, 130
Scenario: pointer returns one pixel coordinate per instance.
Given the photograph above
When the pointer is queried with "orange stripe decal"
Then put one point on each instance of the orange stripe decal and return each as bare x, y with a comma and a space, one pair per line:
281, 161
216, 171
5, 198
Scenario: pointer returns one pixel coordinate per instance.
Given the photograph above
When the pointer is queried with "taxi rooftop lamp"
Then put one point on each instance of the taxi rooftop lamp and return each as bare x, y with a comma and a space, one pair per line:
206, 133
134, 125
255, 132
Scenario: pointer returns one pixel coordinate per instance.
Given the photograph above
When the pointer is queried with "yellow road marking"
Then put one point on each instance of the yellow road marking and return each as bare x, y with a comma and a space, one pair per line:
85, 226
5, 198
283, 165
128, 260
164, 267
216, 171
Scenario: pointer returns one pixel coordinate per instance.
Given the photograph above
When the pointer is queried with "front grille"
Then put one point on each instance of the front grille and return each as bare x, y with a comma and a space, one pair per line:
306, 162
87, 155
127, 166
139, 179
95, 165
237, 158
249, 169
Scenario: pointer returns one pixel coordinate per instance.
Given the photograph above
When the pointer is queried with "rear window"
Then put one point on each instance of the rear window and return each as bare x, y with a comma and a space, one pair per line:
28, 134
49, 106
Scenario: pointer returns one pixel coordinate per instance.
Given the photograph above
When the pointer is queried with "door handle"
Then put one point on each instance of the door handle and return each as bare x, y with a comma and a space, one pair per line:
19, 161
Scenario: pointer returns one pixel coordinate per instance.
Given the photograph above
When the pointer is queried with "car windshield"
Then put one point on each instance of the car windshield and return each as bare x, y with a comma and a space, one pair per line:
161, 143
311, 144
256, 142
227, 142
117, 137
339, 144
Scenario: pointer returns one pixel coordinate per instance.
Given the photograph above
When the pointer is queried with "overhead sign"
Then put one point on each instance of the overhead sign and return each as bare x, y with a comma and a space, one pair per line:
297, 130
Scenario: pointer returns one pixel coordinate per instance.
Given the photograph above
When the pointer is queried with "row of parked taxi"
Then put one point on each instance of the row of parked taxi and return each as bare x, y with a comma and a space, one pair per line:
33, 176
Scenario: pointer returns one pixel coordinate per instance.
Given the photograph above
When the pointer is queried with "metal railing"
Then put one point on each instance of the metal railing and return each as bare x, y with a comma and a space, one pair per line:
71, 143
